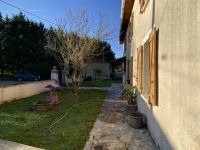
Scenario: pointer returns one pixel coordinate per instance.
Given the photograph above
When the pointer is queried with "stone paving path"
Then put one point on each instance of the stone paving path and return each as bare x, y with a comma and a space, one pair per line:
8, 145
111, 130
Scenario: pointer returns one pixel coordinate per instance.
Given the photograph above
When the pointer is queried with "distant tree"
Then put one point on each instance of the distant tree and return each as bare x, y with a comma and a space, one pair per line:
26, 41
2, 39
74, 41
104, 52
4, 59
23, 45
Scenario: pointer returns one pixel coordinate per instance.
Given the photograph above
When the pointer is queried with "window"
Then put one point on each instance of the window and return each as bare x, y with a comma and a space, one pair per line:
153, 97
147, 68
139, 68
145, 77
143, 5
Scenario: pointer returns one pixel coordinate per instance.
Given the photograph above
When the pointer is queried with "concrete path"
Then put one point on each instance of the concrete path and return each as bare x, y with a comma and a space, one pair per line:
8, 145
111, 130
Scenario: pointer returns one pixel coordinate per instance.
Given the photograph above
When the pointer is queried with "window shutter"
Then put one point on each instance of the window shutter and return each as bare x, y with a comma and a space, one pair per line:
139, 68
153, 68
131, 70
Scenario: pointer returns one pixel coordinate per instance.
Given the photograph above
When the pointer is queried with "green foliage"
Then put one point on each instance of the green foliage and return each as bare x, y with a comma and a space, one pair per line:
22, 45
104, 52
6, 77
18, 123
129, 93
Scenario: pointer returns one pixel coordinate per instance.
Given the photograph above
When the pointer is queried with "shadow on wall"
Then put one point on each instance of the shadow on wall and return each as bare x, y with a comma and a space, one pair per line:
156, 132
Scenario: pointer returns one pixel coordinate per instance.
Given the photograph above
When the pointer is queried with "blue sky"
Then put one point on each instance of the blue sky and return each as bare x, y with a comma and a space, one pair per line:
52, 10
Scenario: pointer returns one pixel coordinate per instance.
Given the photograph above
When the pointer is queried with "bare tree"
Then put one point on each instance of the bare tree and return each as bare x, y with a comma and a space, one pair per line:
75, 40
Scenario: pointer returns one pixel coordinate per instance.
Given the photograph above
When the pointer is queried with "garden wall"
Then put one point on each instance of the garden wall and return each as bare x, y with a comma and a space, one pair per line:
14, 92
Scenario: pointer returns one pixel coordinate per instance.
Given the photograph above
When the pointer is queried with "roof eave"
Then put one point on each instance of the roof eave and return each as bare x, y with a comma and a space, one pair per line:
126, 10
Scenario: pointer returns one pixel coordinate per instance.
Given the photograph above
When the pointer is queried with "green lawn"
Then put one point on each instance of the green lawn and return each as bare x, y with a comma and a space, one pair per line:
101, 83
18, 123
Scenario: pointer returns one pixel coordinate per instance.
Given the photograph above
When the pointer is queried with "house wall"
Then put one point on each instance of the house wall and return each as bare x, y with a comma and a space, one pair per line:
128, 53
175, 122
15, 92
105, 71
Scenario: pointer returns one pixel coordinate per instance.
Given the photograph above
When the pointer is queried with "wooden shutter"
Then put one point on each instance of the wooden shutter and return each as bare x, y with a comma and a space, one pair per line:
153, 68
139, 68
131, 71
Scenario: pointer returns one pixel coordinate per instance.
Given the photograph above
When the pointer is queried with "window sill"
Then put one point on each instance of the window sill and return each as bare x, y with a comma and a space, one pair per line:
145, 98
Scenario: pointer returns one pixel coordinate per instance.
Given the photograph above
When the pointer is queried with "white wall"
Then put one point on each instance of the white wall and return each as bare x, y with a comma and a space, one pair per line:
15, 92
175, 122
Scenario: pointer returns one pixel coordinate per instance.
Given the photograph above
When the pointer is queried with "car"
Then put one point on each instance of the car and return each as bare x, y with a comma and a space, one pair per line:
26, 76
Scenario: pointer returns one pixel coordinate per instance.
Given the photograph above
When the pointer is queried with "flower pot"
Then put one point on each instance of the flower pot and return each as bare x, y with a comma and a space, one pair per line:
136, 120
131, 108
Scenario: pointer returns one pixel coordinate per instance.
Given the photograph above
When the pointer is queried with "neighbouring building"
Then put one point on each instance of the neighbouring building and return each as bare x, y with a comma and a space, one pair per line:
162, 47
98, 71
118, 68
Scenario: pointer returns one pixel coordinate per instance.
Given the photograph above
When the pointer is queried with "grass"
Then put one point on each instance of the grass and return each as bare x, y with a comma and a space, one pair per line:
101, 83
18, 123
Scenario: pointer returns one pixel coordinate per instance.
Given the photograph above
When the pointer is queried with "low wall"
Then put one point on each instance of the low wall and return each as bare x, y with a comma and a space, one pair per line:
14, 92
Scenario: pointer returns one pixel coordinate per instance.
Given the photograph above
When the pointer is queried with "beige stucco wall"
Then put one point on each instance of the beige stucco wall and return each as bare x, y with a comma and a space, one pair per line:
14, 92
127, 48
175, 122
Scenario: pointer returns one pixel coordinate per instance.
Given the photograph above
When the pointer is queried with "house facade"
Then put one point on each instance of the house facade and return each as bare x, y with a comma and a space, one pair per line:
161, 41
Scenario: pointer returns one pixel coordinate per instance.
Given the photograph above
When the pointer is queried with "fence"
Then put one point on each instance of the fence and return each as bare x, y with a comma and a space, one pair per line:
15, 92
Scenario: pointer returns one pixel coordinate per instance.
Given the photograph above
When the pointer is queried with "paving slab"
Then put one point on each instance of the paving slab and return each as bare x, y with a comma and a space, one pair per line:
112, 131
8, 145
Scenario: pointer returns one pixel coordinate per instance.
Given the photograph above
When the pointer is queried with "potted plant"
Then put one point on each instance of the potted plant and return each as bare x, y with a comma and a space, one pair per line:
136, 120
130, 94
131, 97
